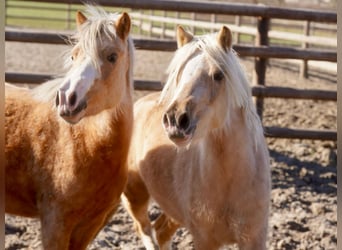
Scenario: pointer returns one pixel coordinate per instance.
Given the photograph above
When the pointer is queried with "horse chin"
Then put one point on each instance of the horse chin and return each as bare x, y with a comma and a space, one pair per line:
183, 140
73, 116
73, 119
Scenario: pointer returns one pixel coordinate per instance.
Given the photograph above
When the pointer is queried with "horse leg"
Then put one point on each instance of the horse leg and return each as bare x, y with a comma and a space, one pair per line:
85, 231
55, 230
165, 227
203, 243
136, 201
256, 243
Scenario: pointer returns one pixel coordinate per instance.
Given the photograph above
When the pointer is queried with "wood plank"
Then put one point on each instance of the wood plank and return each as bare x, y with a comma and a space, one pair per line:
218, 8
170, 45
288, 133
258, 91
288, 36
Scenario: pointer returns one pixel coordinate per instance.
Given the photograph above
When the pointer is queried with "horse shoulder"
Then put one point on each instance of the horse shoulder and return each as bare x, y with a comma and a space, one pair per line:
151, 151
147, 118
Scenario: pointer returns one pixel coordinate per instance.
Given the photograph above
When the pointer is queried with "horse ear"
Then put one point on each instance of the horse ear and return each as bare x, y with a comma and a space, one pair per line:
123, 25
80, 18
183, 37
224, 38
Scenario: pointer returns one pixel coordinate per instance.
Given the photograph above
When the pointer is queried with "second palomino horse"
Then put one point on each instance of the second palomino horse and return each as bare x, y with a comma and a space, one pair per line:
199, 151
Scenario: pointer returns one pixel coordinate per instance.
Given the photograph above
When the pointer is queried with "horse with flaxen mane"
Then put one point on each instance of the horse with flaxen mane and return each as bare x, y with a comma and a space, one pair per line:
67, 140
199, 151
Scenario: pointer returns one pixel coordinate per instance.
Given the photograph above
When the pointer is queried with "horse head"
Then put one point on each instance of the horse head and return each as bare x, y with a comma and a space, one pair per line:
99, 74
195, 92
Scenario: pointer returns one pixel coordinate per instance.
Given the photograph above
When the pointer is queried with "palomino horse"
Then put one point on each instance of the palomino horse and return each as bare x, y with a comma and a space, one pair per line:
67, 140
199, 151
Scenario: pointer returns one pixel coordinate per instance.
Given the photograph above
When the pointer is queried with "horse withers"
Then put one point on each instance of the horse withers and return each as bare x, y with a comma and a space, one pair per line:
199, 151
67, 140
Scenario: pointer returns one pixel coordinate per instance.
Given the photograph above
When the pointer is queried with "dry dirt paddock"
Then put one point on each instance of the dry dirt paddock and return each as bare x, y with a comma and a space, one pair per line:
304, 189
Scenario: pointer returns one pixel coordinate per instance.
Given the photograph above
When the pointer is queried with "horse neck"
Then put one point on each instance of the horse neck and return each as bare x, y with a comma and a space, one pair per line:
104, 130
225, 149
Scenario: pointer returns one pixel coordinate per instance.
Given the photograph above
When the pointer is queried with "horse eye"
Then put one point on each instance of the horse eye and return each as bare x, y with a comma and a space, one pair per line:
72, 58
218, 76
112, 58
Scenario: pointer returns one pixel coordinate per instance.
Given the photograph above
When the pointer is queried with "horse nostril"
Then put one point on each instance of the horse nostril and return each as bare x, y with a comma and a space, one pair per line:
166, 120
184, 121
57, 99
72, 99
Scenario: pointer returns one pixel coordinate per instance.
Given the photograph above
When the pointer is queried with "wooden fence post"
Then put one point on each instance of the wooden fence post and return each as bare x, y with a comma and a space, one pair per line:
193, 28
305, 45
260, 63
237, 34
6, 12
69, 17
177, 17
163, 26
140, 22
151, 24
213, 19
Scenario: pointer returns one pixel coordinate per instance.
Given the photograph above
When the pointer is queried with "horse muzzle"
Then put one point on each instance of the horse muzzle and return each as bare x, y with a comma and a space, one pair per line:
179, 128
69, 108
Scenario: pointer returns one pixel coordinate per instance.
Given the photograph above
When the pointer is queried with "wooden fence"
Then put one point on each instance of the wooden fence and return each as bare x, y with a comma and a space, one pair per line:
261, 51
302, 36
145, 22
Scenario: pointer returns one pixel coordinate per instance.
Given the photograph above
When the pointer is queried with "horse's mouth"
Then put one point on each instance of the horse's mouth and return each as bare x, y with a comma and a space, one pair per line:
180, 137
75, 115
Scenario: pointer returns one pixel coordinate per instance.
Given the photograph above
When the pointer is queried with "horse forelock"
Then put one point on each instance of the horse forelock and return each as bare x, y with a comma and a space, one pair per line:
176, 65
92, 34
238, 89
237, 83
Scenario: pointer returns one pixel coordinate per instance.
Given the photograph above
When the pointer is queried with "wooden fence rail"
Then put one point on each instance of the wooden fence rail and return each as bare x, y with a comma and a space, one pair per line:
162, 45
216, 8
258, 91
288, 36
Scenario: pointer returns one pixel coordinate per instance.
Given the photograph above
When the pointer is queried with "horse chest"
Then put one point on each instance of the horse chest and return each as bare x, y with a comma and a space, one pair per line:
206, 196
87, 165
213, 215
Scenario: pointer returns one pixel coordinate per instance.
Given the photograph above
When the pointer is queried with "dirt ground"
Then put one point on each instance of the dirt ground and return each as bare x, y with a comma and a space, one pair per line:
304, 182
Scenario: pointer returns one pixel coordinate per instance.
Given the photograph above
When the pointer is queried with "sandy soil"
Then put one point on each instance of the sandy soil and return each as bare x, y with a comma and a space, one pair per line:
304, 183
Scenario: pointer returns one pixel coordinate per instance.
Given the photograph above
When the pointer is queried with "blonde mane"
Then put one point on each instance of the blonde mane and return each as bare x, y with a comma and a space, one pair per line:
87, 39
239, 93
